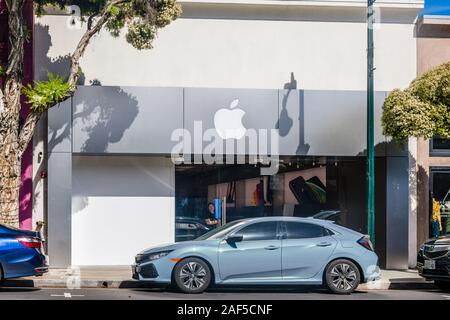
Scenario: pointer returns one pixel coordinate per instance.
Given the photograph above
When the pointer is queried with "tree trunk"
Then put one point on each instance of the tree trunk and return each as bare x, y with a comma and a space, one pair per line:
9, 176
10, 158
14, 140
9, 190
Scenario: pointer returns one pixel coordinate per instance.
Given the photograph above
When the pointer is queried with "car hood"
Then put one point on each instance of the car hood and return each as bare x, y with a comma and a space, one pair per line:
445, 240
179, 245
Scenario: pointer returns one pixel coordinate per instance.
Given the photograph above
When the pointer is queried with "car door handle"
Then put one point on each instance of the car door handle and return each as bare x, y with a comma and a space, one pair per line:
272, 247
323, 244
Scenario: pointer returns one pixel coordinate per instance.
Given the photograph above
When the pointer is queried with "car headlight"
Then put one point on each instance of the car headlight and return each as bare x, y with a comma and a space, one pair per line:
421, 249
152, 256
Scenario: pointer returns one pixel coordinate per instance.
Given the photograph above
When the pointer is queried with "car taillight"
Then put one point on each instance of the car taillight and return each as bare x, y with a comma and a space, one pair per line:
365, 242
30, 242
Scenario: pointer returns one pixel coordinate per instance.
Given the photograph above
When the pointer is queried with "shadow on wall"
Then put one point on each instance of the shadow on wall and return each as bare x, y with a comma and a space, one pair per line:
286, 122
59, 65
57, 131
381, 148
424, 206
105, 118
107, 115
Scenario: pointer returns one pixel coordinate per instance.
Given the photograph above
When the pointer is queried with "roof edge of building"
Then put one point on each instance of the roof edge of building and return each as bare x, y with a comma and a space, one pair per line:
417, 4
434, 20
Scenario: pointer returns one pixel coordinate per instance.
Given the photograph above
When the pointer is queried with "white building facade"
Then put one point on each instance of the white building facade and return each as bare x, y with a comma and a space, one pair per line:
111, 189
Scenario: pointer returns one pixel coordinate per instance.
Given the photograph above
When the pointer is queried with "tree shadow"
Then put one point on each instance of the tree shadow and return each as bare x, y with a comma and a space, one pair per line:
57, 130
105, 117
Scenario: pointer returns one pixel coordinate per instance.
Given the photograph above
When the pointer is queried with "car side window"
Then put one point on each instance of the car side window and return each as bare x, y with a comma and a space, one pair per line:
259, 231
303, 230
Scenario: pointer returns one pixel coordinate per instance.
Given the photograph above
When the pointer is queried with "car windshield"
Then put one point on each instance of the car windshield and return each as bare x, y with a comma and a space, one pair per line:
219, 232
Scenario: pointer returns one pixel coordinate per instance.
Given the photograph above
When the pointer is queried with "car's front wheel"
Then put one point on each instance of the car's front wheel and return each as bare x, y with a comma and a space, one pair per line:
443, 285
192, 275
342, 276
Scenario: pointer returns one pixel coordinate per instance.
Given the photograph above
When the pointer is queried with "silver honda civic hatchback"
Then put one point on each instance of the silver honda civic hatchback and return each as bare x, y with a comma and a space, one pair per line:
261, 251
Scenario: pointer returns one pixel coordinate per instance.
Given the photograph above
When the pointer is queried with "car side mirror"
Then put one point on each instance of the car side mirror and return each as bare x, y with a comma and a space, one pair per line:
235, 238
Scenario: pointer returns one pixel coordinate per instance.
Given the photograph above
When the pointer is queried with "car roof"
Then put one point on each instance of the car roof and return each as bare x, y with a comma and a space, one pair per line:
284, 218
325, 223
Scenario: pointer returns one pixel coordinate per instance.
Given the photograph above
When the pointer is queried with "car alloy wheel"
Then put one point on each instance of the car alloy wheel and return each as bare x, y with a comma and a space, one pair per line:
342, 276
192, 275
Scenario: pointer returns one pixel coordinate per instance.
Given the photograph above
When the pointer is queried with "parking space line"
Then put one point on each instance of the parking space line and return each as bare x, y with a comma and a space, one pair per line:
67, 295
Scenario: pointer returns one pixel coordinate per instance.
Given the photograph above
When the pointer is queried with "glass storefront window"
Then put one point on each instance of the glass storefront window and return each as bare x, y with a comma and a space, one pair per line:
326, 188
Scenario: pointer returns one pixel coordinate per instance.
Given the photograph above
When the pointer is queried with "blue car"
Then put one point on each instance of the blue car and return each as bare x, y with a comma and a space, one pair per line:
271, 250
20, 253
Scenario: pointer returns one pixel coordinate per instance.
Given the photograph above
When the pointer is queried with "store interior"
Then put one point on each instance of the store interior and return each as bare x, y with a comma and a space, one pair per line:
440, 194
327, 187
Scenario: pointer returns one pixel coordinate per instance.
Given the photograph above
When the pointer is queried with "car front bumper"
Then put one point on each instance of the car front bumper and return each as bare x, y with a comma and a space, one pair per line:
441, 272
157, 271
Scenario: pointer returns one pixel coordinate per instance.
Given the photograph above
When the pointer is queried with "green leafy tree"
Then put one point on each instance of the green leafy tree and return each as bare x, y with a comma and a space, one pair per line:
140, 18
421, 110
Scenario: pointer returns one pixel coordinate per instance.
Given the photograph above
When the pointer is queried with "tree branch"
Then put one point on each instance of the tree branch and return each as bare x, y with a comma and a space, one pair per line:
90, 21
16, 37
84, 41
27, 131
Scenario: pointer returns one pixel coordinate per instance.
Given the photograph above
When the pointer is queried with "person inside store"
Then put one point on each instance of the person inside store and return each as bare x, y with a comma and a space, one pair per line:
211, 217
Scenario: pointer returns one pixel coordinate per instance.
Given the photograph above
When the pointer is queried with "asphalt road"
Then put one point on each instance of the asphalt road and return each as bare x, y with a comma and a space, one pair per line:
215, 294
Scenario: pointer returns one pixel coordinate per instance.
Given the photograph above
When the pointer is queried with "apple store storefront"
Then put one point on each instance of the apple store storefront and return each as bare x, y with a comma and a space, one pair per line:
154, 165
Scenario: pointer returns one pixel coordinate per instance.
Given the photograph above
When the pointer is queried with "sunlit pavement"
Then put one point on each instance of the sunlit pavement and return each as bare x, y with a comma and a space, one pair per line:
215, 294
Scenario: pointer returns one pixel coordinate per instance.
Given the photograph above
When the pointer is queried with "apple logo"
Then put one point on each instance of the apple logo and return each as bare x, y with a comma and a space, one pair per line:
228, 122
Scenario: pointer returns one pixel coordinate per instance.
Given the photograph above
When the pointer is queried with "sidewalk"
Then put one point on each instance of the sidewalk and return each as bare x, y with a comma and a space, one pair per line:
120, 277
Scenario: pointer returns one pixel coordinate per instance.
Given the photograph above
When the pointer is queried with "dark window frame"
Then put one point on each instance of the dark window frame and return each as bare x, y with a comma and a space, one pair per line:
438, 152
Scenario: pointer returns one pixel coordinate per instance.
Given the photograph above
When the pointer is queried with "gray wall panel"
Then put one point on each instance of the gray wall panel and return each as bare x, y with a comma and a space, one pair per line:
327, 123
139, 120
260, 107
60, 127
335, 123
59, 209
126, 119
397, 212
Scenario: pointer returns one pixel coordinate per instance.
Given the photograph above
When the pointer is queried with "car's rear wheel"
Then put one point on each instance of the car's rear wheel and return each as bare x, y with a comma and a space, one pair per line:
342, 276
443, 285
192, 275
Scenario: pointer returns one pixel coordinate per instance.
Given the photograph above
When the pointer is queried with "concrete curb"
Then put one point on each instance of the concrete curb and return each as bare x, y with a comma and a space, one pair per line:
397, 285
418, 284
